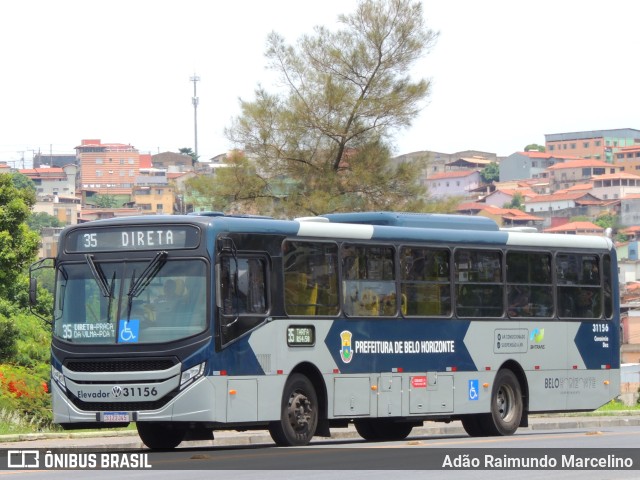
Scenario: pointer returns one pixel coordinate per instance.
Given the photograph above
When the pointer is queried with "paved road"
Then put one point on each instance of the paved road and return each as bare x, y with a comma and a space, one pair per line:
130, 439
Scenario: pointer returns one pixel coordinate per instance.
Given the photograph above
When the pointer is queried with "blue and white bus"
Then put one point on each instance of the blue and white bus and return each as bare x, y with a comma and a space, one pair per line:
189, 324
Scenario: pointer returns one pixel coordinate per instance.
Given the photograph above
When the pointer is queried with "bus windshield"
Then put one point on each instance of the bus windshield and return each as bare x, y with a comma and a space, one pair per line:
142, 301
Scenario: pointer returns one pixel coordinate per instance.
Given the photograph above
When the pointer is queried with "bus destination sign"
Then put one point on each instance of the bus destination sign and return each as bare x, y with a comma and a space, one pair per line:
301, 335
132, 238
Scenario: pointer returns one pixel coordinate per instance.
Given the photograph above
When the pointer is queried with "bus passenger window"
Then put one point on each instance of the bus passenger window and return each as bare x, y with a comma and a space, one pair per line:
606, 276
243, 294
368, 281
479, 288
424, 283
310, 278
529, 284
580, 297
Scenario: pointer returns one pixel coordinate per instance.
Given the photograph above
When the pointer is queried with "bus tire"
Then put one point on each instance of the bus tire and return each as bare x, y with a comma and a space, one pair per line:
380, 430
160, 436
298, 413
506, 405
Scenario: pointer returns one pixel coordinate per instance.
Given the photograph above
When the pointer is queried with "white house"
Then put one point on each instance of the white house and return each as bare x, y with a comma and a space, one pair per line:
456, 183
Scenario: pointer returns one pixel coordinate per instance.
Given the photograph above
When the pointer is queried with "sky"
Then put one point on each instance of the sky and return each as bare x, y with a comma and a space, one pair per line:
504, 73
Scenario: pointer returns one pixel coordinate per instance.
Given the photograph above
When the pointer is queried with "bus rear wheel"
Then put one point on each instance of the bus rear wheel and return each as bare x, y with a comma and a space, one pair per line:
506, 406
472, 424
298, 413
161, 436
379, 430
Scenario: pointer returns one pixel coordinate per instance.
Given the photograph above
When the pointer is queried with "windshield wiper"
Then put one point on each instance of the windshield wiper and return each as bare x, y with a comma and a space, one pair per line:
101, 280
98, 274
148, 274
145, 278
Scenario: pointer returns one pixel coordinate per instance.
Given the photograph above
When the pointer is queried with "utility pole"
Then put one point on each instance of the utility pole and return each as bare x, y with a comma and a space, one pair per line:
195, 79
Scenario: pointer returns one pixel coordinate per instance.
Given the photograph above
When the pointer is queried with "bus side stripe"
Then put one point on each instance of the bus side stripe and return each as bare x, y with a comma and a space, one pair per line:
333, 230
553, 240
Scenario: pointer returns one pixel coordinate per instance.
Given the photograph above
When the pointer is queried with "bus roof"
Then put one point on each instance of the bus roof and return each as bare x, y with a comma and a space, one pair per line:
416, 220
406, 227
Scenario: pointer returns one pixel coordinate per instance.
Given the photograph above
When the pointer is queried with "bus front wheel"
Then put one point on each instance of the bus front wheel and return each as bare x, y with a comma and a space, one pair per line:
298, 413
161, 436
506, 405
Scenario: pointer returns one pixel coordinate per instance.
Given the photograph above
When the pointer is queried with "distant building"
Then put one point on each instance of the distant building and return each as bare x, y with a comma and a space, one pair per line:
438, 162
107, 168
616, 185
573, 172
152, 193
576, 228
560, 201
448, 184
592, 144
90, 214
628, 159
504, 217
65, 209
630, 211
173, 162
523, 165
502, 196
53, 181
49, 237
54, 160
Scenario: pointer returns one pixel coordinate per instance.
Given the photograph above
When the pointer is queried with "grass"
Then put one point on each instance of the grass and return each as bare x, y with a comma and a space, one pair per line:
11, 423
616, 406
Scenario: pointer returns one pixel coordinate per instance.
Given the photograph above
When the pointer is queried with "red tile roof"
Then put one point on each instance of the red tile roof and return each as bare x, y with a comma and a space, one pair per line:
536, 154
525, 192
453, 174
580, 164
145, 160
575, 227
557, 197
616, 176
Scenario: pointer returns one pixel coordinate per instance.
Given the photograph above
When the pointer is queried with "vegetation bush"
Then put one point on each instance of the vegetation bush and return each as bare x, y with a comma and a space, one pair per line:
24, 397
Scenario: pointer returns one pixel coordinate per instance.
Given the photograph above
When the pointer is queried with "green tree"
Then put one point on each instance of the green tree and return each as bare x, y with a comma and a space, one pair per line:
18, 243
323, 141
105, 200
491, 173
23, 182
517, 201
607, 220
191, 153
534, 147
39, 220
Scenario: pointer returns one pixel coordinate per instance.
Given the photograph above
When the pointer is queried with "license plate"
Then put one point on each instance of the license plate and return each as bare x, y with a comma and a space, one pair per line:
116, 417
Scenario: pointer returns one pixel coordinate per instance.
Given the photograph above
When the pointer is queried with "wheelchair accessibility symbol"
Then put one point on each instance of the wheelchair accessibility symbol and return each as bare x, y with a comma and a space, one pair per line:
128, 331
473, 390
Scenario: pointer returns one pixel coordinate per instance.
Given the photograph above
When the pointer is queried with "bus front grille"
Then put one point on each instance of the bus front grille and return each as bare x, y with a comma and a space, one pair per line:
121, 365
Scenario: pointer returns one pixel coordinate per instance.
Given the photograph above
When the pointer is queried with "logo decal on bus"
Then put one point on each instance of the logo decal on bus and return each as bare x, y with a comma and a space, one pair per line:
536, 338
346, 353
537, 335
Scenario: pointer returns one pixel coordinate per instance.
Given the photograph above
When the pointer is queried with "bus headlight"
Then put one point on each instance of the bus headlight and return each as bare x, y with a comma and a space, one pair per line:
58, 377
191, 375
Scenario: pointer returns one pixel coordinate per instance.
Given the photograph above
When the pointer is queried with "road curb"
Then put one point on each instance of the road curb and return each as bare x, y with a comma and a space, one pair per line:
127, 439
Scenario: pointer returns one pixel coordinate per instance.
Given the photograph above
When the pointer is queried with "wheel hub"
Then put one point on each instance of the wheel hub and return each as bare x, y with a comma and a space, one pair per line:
299, 411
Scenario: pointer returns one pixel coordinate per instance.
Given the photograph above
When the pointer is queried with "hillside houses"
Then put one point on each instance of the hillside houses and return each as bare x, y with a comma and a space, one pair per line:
459, 182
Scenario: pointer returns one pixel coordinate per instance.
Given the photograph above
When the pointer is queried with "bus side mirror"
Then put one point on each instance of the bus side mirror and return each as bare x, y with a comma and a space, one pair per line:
33, 291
